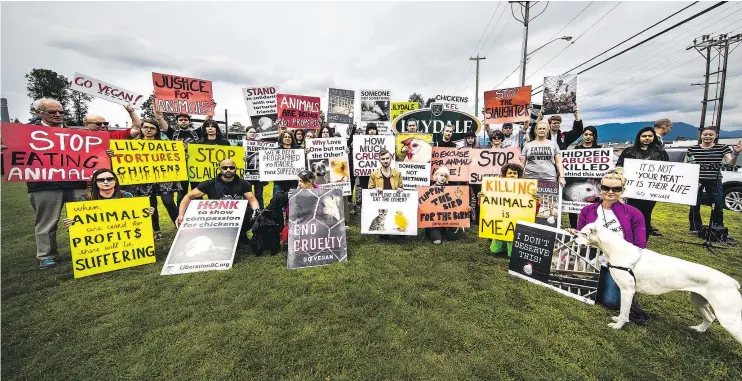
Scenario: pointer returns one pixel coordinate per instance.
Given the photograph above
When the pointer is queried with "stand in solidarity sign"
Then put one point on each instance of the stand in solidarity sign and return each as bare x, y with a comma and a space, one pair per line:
148, 161
204, 159
37, 153
182, 95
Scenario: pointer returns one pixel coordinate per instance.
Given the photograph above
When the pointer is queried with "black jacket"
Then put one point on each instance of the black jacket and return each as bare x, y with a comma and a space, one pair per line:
215, 142
566, 138
580, 146
654, 151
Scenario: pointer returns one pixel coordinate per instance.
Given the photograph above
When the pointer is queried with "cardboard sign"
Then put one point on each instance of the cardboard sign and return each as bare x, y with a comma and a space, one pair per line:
507, 105
207, 238
583, 170
506, 201
375, 105
399, 108
443, 207
182, 95
366, 153
560, 94
549, 196
675, 183
457, 160
40, 154
148, 161
281, 164
452, 102
112, 93
252, 157
489, 162
298, 111
316, 228
261, 107
328, 159
203, 160
414, 153
389, 212
541, 255
340, 106
110, 235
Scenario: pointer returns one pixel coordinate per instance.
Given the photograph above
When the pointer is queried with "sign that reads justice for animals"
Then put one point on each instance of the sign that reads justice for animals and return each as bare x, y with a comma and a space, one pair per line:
204, 160
112, 93
366, 153
676, 183
148, 161
182, 95
328, 159
281, 164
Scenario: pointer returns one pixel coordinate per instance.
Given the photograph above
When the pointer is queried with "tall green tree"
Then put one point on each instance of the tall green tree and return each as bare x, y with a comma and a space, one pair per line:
148, 111
236, 127
78, 107
415, 97
44, 83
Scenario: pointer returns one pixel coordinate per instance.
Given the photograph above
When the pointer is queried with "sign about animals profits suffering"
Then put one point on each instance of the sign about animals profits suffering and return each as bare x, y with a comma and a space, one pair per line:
545, 256
252, 157
40, 154
583, 169
457, 160
560, 94
506, 201
316, 228
298, 111
375, 105
432, 121
489, 161
328, 159
443, 207
148, 161
452, 102
261, 107
108, 235
366, 153
182, 95
399, 108
203, 160
389, 212
507, 105
340, 106
414, 153
549, 211
112, 93
676, 183
207, 238
280, 164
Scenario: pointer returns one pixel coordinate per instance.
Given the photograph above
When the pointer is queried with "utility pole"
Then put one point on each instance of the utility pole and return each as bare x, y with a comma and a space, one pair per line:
476, 86
525, 13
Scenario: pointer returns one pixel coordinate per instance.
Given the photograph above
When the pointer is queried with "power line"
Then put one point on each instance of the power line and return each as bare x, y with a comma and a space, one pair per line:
500, 34
486, 28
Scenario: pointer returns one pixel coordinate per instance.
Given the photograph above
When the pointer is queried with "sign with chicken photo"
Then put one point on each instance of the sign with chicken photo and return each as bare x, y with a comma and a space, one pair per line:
389, 212
414, 153
316, 228
583, 169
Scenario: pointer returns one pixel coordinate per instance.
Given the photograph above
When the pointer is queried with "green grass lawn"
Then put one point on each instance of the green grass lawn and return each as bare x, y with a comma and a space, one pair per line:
393, 312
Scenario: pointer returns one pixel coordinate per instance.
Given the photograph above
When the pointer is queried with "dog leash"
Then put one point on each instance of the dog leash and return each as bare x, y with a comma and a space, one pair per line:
629, 270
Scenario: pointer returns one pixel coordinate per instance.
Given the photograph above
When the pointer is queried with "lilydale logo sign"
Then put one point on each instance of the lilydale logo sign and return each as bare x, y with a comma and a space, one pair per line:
430, 122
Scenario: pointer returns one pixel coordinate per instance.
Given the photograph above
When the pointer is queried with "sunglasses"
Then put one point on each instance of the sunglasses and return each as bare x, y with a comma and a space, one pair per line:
229, 167
496, 138
606, 188
55, 112
99, 124
105, 180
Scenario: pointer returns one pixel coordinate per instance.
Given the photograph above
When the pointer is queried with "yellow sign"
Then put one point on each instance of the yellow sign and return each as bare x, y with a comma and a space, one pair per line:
504, 202
399, 108
204, 159
110, 235
148, 161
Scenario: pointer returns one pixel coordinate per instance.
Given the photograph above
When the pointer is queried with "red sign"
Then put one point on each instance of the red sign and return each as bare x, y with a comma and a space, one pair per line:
38, 153
298, 111
507, 105
182, 95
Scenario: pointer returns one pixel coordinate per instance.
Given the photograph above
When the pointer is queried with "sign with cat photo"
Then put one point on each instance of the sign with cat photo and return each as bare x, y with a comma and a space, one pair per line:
583, 170
389, 212
328, 159
316, 228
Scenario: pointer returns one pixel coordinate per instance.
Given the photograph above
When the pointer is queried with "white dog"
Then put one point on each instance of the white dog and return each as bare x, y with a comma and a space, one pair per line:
656, 274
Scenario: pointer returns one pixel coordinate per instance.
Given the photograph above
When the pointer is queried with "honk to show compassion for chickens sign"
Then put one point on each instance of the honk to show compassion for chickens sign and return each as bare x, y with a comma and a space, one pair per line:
389, 212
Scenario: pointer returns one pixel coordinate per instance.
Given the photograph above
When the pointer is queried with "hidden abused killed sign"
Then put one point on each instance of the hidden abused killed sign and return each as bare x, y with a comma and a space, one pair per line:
40, 154
148, 161
204, 159
182, 95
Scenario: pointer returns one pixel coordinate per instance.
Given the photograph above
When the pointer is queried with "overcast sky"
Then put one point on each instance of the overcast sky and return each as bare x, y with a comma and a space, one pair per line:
424, 47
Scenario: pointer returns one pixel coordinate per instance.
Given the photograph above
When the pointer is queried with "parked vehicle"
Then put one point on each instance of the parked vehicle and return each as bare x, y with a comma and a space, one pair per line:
731, 180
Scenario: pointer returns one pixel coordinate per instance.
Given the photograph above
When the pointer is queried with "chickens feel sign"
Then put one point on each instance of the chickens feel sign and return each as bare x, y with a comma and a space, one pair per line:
433, 120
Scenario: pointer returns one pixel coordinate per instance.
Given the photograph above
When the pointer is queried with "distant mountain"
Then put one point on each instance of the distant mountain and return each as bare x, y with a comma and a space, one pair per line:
623, 132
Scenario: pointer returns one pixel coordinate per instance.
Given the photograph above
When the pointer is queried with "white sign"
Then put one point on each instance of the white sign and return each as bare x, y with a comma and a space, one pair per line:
583, 169
414, 175
281, 164
389, 212
252, 156
452, 102
328, 159
107, 91
260, 100
676, 183
366, 152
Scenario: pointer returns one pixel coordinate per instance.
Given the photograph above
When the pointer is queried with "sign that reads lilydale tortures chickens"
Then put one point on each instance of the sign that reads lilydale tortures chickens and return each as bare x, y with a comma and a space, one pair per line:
316, 228
433, 120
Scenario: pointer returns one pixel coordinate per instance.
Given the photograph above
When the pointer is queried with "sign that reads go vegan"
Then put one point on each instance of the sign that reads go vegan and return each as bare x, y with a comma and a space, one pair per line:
204, 159
176, 95
153, 161
37, 153
507, 105
298, 111
112, 93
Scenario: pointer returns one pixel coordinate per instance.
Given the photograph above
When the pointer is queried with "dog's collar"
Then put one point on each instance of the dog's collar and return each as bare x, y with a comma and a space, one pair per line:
630, 270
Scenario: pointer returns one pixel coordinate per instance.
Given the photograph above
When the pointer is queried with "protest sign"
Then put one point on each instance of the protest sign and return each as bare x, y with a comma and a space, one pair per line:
443, 207
112, 93
108, 235
676, 183
452, 102
261, 107
280, 164
375, 105
399, 108
457, 160
316, 228
541, 255
340, 106
414, 153
148, 161
366, 153
507, 105
383, 128
39, 154
583, 170
203, 160
252, 157
389, 212
489, 162
328, 159
207, 238
298, 111
182, 95
560, 94
504, 202
432, 121
549, 196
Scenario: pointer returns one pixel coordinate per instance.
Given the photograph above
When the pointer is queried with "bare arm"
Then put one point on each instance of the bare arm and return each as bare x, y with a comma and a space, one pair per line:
160, 119
732, 158
254, 205
136, 123
184, 204
560, 169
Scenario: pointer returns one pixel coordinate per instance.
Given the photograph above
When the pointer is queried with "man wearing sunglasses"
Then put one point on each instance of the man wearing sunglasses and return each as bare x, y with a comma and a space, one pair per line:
99, 123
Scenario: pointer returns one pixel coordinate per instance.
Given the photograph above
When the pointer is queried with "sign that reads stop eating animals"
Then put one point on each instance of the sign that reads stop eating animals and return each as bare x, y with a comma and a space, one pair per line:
432, 121
507, 105
112, 93
148, 161
182, 95
340, 106
204, 160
